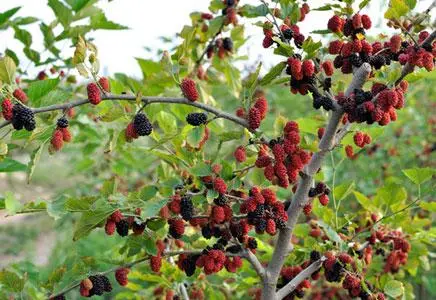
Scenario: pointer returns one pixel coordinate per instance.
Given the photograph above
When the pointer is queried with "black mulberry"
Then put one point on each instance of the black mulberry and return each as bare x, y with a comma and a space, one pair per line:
142, 125
123, 228
196, 119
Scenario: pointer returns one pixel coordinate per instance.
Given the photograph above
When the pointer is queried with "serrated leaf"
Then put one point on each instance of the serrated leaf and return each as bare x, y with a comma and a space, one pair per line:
7, 70
79, 204
62, 12
273, 73
397, 9
364, 3
34, 159
394, 288
148, 192
167, 122
152, 207
330, 232
99, 21
89, 220
150, 246
23, 36
40, 88
201, 169
364, 201
419, 175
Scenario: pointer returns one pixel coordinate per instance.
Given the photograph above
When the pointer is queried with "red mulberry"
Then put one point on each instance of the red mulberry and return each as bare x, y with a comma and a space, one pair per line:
308, 68
219, 186
177, 228
7, 109
155, 263
366, 22
217, 214
240, 112
327, 66
307, 209
254, 118
57, 140
335, 24
104, 84
121, 276
189, 89
295, 66
20, 95
94, 95
349, 151
335, 47
395, 43
321, 132
359, 139
262, 105
240, 154
110, 227
323, 199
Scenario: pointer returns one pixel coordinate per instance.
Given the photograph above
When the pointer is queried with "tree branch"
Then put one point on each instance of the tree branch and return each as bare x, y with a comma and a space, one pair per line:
292, 285
283, 245
146, 100
260, 270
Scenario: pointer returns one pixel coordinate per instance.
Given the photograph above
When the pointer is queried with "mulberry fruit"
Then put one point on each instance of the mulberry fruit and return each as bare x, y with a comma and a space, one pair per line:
155, 263
186, 208
228, 44
196, 119
62, 122
366, 21
98, 285
217, 214
104, 83
20, 95
240, 154
271, 227
254, 118
121, 276
189, 89
308, 68
23, 117
142, 125
323, 199
359, 139
327, 66
335, 47
110, 227
94, 95
335, 24
395, 43
123, 227
349, 151
307, 209
7, 109
262, 105
219, 186
130, 132
177, 228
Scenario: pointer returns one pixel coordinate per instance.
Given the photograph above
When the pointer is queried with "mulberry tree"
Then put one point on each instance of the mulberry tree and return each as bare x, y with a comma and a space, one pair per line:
202, 181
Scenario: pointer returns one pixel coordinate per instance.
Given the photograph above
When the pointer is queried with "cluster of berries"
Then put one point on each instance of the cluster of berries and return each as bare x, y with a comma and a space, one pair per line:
94, 90
256, 113
289, 159
288, 31
378, 105
140, 126
189, 89
116, 221
418, 56
222, 46
361, 139
212, 261
321, 191
400, 247
302, 74
264, 211
95, 285
288, 273
60, 135
230, 12
156, 260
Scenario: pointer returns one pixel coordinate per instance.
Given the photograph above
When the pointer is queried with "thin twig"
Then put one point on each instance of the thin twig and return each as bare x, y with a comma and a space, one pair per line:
145, 100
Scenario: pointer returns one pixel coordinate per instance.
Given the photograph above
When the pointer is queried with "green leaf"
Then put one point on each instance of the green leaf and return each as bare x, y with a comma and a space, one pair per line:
152, 207
430, 206
9, 165
330, 232
12, 55
23, 36
12, 205
231, 135
11, 281
250, 11
7, 14
99, 21
410, 3
195, 135
397, 9
7, 70
79, 204
321, 31
77, 5
364, 201
419, 175
148, 192
3, 149
343, 190
25, 20
40, 88
364, 3
150, 246
34, 159
394, 288
89, 220
148, 67
32, 54
273, 73
62, 12
251, 81
311, 47
201, 169
167, 122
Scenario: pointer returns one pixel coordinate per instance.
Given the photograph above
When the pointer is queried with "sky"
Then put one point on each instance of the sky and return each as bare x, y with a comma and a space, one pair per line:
149, 20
